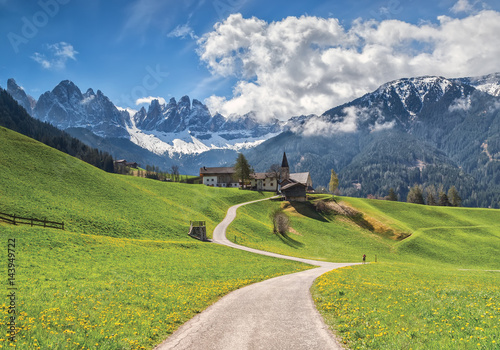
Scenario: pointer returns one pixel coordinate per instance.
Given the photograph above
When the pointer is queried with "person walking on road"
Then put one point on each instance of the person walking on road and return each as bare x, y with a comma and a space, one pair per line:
364, 258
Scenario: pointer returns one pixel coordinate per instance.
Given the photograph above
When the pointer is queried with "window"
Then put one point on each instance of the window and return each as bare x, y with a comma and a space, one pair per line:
271, 184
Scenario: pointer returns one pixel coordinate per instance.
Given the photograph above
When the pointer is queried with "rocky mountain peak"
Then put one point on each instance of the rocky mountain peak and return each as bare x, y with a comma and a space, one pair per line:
18, 93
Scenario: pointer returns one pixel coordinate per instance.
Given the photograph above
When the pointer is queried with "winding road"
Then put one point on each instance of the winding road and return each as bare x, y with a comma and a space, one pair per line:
275, 314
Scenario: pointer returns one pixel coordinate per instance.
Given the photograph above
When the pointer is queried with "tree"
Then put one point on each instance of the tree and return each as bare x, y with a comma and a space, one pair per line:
431, 195
392, 195
281, 221
415, 195
443, 199
275, 171
334, 182
242, 169
454, 197
175, 172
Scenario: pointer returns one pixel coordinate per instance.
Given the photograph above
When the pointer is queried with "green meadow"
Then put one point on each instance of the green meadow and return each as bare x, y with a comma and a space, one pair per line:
123, 274
435, 283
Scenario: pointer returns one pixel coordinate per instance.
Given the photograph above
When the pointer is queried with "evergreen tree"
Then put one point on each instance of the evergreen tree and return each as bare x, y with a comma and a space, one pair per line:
443, 199
334, 182
392, 195
415, 195
454, 197
242, 169
431, 195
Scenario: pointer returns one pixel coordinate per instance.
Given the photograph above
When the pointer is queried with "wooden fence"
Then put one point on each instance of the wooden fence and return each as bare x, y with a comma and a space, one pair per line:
17, 220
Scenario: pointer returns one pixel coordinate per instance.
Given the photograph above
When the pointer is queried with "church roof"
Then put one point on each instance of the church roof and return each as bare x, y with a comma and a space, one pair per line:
284, 163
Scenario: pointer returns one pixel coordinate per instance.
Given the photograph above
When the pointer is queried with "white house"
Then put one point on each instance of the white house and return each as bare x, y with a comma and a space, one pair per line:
264, 181
218, 177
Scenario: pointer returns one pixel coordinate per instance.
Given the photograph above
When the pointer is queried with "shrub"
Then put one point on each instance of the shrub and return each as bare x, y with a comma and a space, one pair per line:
281, 221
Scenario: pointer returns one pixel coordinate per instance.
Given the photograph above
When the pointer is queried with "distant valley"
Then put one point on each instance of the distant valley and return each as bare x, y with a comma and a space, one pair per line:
430, 131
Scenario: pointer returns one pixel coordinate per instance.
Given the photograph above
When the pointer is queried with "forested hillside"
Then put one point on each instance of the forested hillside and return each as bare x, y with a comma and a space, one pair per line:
15, 117
428, 131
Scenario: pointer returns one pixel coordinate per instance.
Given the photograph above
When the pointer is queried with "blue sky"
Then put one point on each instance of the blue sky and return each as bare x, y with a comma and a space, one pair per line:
277, 58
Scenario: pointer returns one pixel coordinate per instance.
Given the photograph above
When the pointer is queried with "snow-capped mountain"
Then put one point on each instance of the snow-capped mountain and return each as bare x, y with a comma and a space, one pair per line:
182, 127
189, 128
66, 107
402, 101
486, 83
429, 130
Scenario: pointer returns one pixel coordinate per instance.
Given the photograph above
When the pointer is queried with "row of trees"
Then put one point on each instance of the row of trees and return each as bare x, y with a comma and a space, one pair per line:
154, 172
432, 197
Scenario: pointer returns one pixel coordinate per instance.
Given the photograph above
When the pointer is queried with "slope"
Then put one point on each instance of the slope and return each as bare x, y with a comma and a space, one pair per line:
39, 181
440, 235
124, 274
436, 289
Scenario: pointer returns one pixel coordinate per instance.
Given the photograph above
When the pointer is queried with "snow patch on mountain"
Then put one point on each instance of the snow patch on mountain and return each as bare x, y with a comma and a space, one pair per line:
162, 143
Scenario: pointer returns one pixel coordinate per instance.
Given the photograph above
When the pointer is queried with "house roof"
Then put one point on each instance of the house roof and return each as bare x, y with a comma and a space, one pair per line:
300, 177
290, 185
217, 170
262, 176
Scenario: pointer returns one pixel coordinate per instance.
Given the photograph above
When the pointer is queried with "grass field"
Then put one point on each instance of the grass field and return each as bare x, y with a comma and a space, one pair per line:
124, 274
432, 290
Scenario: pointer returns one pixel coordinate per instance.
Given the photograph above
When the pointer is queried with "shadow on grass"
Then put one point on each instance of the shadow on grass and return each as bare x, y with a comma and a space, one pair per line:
307, 209
285, 238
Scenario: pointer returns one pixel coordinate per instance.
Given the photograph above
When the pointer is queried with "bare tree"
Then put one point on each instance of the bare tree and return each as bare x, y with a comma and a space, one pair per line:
175, 172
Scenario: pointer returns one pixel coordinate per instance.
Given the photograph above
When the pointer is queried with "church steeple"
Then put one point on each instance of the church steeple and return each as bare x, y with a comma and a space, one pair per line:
285, 169
284, 163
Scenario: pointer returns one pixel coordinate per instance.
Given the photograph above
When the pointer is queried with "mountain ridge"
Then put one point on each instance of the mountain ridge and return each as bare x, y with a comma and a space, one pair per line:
455, 121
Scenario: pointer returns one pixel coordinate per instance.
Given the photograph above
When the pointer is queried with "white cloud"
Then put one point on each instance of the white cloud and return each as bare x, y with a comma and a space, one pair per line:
56, 56
464, 6
149, 99
129, 110
321, 125
182, 31
382, 126
460, 104
306, 65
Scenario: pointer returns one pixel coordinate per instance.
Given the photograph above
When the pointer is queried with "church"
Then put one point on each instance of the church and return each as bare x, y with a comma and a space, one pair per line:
294, 186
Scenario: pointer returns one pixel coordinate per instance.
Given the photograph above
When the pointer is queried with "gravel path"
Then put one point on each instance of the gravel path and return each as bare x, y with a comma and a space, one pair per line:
278, 313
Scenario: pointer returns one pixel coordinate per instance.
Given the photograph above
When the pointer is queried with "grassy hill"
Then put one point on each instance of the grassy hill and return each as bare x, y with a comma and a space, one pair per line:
124, 274
37, 180
436, 283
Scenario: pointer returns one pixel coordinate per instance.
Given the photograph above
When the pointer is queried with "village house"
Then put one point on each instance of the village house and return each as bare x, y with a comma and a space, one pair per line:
294, 186
218, 177
123, 162
264, 181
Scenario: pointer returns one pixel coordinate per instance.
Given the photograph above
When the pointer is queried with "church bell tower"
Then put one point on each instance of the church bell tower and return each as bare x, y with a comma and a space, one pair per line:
285, 169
